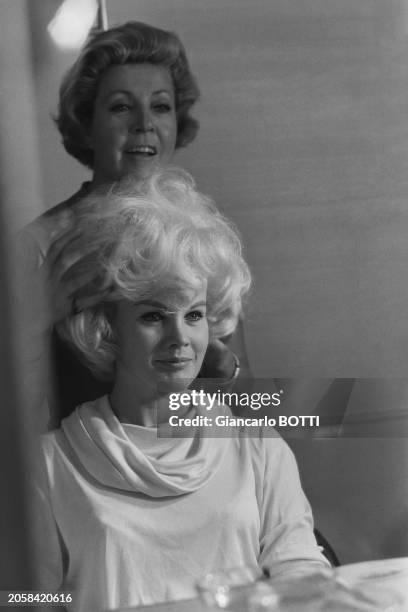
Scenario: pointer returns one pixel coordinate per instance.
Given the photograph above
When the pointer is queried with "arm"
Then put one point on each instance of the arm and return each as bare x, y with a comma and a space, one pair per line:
34, 334
287, 542
48, 544
46, 286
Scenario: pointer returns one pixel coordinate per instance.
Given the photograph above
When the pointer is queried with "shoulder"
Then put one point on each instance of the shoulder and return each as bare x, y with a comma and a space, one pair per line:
48, 445
261, 441
55, 457
45, 448
56, 451
270, 452
36, 237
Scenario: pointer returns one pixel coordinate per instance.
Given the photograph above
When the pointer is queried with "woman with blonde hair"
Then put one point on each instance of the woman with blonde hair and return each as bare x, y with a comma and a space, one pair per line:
127, 516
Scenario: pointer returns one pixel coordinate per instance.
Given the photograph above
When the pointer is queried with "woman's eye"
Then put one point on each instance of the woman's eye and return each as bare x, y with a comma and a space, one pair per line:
162, 107
195, 315
119, 107
152, 317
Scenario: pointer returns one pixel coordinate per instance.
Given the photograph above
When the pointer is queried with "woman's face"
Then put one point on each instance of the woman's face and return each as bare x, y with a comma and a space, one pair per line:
162, 341
134, 124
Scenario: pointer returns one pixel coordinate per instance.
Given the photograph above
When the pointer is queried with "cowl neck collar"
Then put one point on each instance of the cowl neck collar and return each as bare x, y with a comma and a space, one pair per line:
133, 458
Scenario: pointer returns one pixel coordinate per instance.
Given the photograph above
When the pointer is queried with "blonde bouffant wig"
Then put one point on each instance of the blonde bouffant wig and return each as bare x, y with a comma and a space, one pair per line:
138, 238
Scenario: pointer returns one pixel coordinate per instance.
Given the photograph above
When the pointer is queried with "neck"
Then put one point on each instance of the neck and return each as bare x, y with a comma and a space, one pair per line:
147, 410
100, 181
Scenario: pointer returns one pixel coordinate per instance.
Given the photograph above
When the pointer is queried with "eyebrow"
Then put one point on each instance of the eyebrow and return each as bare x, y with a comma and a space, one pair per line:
156, 304
127, 92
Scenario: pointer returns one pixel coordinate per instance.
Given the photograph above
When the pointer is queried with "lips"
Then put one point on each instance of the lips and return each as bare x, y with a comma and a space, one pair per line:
142, 150
175, 360
173, 363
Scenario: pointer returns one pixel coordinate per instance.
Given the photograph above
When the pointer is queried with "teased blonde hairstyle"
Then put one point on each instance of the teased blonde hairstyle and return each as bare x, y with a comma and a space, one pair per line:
138, 238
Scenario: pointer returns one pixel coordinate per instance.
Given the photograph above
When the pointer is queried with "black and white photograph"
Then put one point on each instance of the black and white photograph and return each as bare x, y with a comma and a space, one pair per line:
204, 305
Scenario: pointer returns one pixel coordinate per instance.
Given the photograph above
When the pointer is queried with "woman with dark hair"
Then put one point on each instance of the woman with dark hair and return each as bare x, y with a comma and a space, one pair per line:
124, 110
132, 44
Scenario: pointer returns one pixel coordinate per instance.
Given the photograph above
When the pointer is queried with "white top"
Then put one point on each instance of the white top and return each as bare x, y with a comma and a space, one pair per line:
126, 518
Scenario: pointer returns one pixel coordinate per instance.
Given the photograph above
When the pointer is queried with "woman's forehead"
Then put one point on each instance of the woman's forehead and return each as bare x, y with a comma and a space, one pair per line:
136, 78
174, 297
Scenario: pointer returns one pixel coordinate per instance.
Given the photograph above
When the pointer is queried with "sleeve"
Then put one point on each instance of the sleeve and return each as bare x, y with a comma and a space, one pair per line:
29, 286
287, 541
49, 550
34, 343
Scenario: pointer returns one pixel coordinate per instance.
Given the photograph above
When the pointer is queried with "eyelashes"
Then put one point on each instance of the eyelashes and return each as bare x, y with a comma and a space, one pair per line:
156, 316
124, 107
195, 315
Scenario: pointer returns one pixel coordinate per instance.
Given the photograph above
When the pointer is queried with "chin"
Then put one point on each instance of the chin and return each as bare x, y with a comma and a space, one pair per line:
178, 385
142, 170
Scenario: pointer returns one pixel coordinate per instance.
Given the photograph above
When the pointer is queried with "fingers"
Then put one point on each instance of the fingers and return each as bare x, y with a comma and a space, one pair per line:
86, 287
63, 304
70, 256
90, 301
219, 360
64, 251
72, 270
80, 266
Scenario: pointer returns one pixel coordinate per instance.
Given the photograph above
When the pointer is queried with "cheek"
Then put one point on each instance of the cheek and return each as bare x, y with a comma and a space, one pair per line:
202, 339
170, 132
143, 340
136, 350
105, 135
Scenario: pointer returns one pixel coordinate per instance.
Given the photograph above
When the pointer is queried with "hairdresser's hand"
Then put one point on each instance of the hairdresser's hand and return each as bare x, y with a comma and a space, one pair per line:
219, 361
59, 287
68, 274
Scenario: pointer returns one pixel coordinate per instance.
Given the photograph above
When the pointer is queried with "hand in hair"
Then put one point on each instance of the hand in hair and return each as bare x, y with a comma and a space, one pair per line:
219, 362
65, 277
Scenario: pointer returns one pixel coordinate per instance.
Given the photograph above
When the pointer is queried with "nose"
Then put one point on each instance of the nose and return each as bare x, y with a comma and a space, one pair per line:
177, 335
141, 120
